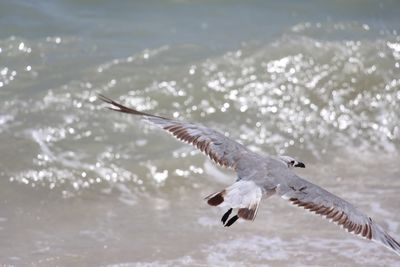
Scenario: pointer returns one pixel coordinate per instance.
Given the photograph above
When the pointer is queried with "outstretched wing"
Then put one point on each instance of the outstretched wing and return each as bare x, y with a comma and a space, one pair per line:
221, 149
319, 201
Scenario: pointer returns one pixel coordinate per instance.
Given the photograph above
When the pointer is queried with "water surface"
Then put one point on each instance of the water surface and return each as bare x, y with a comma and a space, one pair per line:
81, 185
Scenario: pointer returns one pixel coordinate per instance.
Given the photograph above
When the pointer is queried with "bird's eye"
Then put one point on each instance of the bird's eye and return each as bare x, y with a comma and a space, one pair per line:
292, 162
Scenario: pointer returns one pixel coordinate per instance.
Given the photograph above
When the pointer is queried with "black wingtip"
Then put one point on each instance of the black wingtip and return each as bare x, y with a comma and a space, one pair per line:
104, 98
121, 108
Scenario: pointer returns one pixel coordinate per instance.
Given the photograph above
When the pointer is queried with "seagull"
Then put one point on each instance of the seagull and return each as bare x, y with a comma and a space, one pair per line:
262, 176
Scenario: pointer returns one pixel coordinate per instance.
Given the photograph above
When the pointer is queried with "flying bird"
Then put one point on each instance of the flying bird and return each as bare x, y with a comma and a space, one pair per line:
261, 176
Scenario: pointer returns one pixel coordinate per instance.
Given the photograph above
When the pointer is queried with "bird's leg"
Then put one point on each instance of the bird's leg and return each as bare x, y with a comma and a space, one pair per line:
231, 221
226, 216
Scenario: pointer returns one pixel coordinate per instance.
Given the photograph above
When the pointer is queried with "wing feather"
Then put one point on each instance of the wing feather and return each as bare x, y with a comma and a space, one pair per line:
319, 201
219, 148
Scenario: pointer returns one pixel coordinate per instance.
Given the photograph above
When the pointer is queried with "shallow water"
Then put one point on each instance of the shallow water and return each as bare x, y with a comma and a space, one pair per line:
81, 185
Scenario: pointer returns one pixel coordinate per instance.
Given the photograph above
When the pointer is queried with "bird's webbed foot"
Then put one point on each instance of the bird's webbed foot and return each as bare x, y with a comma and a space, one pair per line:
231, 221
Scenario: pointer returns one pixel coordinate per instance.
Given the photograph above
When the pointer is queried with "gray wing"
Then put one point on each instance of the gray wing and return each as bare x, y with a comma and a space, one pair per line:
317, 200
221, 149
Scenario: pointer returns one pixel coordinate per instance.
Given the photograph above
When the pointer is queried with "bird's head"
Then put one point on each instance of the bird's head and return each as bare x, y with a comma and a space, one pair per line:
291, 162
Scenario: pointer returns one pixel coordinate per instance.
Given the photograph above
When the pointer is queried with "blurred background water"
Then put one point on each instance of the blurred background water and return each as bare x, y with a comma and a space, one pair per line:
83, 186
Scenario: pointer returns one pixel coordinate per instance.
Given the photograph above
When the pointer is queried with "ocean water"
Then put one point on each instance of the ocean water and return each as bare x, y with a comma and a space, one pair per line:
84, 186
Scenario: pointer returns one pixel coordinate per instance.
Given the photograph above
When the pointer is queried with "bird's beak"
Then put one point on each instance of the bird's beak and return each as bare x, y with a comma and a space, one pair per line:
300, 165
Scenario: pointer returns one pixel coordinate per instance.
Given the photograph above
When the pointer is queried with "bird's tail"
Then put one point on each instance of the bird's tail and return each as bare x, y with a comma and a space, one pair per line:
242, 195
